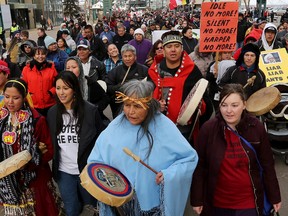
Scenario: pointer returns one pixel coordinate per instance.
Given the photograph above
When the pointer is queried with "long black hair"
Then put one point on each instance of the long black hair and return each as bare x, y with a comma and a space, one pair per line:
77, 105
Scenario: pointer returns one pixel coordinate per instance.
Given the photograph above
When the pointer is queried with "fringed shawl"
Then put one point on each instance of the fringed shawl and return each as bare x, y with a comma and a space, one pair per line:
171, 154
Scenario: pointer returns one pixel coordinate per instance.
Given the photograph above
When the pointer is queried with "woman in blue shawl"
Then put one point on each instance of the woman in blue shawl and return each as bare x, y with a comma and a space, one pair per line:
151, 135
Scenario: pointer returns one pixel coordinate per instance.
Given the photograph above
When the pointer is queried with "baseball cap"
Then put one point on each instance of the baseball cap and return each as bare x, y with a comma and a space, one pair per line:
83, 43
271, 28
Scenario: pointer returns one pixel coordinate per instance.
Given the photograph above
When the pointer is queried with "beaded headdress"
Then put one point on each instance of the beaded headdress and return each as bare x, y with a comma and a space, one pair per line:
171, 37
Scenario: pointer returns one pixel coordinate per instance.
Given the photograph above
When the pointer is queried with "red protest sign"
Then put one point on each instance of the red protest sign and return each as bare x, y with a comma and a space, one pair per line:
218, 30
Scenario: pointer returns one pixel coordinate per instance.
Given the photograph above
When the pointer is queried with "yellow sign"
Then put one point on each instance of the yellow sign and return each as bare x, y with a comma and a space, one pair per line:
274, 65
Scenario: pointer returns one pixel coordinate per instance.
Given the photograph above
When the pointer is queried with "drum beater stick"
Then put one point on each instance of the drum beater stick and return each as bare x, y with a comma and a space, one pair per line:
125, 75
137, 158
250, 81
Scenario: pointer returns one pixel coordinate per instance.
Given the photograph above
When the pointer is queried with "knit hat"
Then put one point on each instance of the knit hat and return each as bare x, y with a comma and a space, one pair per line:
171, 37
4, 67
254, 35
16, 32
62, 25
138, 31
48, 41
83, 43
250, 47
261, 20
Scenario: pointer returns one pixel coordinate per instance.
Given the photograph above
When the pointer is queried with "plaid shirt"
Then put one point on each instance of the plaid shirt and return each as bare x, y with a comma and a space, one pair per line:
109, 64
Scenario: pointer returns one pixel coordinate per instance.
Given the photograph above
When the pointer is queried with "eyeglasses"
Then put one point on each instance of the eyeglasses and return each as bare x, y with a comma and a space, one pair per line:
27, 46
159, 48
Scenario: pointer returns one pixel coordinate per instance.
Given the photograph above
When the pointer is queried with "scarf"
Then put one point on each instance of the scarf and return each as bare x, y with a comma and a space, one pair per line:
15, 194
250, 69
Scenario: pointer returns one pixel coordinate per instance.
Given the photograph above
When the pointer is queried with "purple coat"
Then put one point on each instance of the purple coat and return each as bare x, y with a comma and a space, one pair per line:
142, 49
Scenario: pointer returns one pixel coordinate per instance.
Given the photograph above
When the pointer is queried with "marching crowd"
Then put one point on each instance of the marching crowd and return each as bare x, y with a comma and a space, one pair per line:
55, 90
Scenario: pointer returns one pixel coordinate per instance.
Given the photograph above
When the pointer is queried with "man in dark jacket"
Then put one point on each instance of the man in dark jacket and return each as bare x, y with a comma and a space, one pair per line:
43, 22
246, 67
243, 25
96, 44
123, 73
41, 37
93, 68
268, 39
284, 16
122, 37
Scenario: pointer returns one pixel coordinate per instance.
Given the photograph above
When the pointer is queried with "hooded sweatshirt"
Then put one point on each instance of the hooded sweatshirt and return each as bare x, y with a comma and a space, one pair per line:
81, 77
91, 90
263, 44
255, 35
23, 56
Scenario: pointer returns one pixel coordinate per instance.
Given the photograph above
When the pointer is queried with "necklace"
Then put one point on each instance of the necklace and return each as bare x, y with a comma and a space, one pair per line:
13, 129
9, 137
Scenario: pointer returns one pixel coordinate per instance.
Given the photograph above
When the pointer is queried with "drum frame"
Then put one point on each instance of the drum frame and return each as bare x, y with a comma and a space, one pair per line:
100, 191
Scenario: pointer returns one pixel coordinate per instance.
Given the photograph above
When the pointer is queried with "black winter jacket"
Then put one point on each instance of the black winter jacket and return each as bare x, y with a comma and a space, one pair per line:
91, 127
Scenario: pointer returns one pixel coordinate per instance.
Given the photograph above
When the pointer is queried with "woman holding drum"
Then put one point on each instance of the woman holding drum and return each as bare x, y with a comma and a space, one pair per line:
157, 141
74, 126
227, 180
29, 190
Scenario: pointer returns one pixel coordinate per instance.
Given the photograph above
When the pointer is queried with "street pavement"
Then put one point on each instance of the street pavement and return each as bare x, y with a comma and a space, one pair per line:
280, 166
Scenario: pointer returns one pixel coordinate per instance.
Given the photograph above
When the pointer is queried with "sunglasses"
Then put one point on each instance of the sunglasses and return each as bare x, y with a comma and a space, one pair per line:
159, 48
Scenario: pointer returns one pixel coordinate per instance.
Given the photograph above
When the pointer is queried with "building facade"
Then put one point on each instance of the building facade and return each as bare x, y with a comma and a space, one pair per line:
27, 13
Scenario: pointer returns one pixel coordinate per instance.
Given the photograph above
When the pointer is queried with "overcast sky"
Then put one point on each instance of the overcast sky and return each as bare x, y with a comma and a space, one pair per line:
270, 2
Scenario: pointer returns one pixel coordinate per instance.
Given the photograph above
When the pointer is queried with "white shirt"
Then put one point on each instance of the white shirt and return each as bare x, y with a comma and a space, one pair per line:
86, 68
68, 143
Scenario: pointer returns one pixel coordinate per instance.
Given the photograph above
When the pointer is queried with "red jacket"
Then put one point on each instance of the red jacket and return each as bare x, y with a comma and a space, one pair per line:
40, 84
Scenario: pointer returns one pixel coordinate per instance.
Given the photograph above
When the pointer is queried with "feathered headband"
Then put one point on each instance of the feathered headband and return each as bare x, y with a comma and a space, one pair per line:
120, 97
